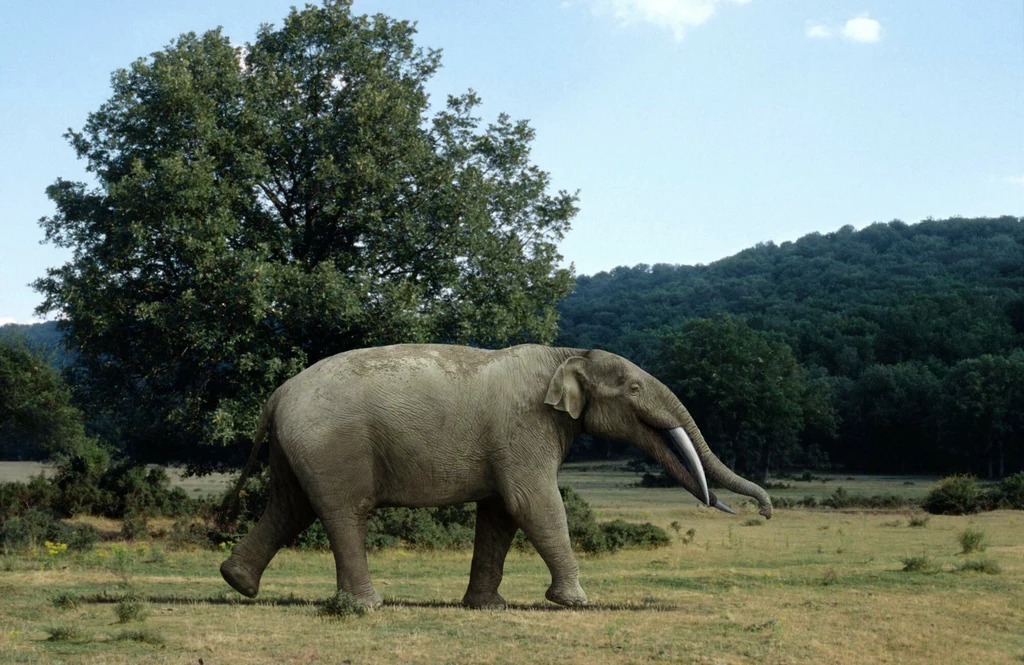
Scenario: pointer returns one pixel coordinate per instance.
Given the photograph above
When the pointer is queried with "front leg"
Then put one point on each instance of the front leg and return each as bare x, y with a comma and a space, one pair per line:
541, 514
495, 530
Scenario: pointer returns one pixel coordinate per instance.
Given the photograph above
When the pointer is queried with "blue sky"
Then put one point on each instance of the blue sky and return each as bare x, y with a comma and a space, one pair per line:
692, 128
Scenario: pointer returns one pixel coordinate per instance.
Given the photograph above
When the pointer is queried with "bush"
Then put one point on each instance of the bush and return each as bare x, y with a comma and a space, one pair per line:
65, 600
918, 564
130, 608
840, 498
66, 633
1008, 494
90, 483
620, 534
16, 498
786, 502
134, 527
954, 495
341, 606
919, 520
35, 527
185, 534
987, 566
971, 540
144, 635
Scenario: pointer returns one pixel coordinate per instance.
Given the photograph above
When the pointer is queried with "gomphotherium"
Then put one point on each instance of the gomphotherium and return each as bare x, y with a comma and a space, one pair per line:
433, 425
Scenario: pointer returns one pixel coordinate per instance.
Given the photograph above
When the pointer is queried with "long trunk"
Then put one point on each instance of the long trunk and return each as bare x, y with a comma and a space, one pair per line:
717, 470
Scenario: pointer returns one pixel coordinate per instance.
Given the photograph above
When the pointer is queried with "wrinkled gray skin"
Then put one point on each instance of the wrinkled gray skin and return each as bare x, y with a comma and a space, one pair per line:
432, 425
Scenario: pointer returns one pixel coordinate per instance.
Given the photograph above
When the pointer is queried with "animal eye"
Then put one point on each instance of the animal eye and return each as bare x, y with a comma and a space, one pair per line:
634, 389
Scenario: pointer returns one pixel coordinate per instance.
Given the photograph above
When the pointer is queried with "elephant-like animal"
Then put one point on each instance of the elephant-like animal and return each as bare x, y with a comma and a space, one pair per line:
433, 425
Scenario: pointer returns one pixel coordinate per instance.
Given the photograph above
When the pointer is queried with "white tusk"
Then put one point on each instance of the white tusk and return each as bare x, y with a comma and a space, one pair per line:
724, 508
685, 446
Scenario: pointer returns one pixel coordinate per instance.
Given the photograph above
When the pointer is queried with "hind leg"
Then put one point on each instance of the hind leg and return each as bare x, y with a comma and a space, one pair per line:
287, 515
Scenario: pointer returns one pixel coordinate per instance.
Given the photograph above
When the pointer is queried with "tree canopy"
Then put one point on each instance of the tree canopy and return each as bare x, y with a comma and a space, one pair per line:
258, 208
747, 390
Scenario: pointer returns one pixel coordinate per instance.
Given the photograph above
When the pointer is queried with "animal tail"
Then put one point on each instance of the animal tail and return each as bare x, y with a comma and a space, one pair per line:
229, 507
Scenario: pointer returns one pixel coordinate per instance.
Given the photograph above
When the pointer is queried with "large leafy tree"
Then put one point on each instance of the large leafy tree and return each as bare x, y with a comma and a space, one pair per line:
258, 208
747, 392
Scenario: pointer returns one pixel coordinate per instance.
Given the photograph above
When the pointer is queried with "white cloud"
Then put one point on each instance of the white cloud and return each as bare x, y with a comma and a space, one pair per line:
1015, 179
676, 16
862, 29
4, 320
818, 31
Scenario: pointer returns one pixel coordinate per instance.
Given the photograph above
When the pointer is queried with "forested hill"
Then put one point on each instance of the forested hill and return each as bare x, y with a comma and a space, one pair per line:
939, 290
917, 330
42, 338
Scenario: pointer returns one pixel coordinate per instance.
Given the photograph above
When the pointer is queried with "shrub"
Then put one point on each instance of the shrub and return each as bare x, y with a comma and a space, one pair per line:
186, 534
918, 564
34, 527
919, 520
134, 527
1008, 494
621, 534
830, 577
987, 566
341, 606
130, 608
144, 635
68, 632
954, 495
16, 498
971, 540
840, 498
65, 600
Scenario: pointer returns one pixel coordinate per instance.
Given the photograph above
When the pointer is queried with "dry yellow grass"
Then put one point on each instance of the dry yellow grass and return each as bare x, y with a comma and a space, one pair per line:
806, 587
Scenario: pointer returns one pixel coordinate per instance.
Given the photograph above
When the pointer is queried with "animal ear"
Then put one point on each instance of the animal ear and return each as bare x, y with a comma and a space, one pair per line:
565, 392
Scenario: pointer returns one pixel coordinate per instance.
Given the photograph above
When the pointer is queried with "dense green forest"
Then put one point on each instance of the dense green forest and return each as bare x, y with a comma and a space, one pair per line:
915, 330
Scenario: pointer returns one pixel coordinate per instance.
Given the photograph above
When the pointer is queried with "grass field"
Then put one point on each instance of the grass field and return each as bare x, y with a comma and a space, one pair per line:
809, 586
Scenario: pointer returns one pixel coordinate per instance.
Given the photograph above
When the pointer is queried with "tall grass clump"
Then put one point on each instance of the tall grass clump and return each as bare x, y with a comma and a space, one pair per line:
986, 566
971, 540
341, 605
954, 495
918, 564
130, 608
143, 635
65, 600
67, 632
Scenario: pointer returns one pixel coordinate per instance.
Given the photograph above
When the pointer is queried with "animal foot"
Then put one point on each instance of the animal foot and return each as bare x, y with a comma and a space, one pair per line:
372, 600
484, 601
240, 578
570, 595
